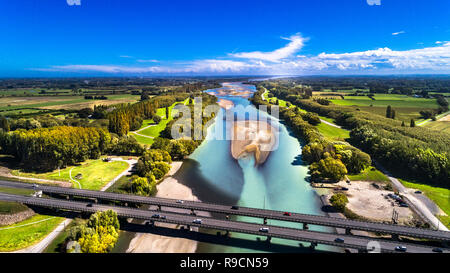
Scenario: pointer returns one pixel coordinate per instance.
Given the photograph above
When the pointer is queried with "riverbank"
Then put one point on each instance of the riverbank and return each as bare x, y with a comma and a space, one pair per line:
152, 243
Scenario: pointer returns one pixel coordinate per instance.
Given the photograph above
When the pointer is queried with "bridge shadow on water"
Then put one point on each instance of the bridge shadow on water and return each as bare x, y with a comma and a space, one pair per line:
259, 244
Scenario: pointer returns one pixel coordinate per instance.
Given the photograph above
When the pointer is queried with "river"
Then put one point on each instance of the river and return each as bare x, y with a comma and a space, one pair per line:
280, 183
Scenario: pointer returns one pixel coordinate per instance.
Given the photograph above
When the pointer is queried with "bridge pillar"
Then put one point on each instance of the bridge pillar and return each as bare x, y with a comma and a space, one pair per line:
95, 200
68, 197
227, 233
126, 204
305, 226
159, 208
313, 246
193, 212
265, 221
227, 217
269, 238
395, 237
348, 231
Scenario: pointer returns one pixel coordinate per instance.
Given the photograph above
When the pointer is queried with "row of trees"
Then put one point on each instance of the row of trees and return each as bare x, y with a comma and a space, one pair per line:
45, 149
424, 153
328, 160
129, 117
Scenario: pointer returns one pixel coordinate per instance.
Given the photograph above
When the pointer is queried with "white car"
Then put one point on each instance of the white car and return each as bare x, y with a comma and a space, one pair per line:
264, 229
180, 201
197, 221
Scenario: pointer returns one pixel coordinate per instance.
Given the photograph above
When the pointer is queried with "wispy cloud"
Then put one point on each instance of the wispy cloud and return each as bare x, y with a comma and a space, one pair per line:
397, 33
125, 56
296, 43
147, 61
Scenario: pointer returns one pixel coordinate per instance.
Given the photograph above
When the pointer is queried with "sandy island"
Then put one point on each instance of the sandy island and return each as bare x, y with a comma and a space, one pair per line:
226, 104
152, 243
255, 138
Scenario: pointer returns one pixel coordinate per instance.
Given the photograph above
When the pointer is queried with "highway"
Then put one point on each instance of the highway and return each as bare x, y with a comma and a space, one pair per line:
350, 241
443, 236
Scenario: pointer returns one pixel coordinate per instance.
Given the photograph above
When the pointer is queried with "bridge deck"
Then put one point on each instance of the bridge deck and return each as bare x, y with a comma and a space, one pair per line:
244, 211
350, 241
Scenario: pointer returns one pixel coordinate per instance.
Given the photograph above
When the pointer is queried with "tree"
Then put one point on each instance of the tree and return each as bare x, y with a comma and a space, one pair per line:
328, 168
393, 114
4, 124
339, 201
388, 111
167, 112
145, 96
144, 186
403, 124
412, 123
157, 119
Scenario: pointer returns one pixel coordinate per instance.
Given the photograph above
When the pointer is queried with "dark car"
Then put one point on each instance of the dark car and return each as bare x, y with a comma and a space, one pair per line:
89, 205
235, 207
418, 192
163, 217
287, 213
156, 216
339, 240
344, 189
438, 250
404, 205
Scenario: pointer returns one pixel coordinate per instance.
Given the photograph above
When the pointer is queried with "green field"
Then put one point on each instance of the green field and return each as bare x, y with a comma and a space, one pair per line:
27, 233
440, 196
443, 126
383, 100
333, 133
24, 105
96, 173
369, 174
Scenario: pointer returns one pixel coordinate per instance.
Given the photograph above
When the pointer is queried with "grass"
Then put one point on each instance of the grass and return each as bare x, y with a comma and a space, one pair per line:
369, 174
155, 131
96, 173
25, 233
440, 196
406, 107
333, 133
56, 245
443, 126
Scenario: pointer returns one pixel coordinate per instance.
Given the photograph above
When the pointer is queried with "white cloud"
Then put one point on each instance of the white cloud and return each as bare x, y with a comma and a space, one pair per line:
147, 61
287, 61
296, 43
397, 33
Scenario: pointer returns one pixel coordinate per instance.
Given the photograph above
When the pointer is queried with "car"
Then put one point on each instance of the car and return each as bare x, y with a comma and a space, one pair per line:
404, 205
287, 213
180, 201
197, 221
264, 229
163, 217
344, 189
438, 250
156, 216
418, 192
400, 248
35, 186
339, 240
235, 207
89, 205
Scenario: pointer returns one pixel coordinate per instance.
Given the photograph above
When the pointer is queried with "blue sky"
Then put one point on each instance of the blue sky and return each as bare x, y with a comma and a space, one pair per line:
196, 37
